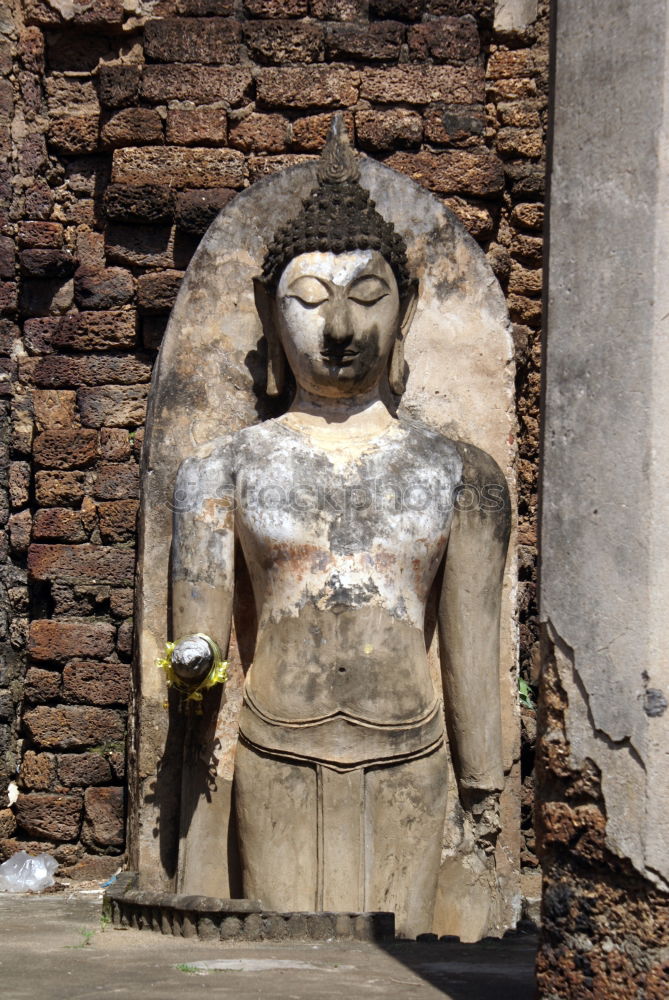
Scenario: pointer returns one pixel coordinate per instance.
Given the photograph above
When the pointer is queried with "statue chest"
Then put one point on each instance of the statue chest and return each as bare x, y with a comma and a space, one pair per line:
374, 529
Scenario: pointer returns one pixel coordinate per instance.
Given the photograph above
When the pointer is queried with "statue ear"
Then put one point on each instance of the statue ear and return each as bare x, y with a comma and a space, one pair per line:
276, 359
408, 304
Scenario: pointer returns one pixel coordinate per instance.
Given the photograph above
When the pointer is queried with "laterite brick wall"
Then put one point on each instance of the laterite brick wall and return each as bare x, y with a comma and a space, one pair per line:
124, 128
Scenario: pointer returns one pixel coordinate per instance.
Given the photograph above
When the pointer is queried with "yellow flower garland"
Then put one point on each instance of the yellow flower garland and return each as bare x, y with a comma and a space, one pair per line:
218, 673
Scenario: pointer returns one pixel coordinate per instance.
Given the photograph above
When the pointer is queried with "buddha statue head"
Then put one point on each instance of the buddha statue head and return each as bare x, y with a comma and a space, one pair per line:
336, 297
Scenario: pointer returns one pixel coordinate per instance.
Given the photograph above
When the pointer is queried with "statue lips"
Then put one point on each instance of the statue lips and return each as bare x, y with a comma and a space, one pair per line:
338, 357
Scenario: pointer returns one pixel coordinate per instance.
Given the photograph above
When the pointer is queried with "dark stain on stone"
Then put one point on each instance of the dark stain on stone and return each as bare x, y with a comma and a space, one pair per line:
654, 703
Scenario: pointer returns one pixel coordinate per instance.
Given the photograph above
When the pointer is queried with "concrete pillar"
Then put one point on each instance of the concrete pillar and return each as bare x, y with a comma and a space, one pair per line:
603, 760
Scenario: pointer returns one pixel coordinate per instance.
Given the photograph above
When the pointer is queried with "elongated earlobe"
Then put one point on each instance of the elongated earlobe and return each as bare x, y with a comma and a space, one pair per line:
396, 377
396, 368
276, 358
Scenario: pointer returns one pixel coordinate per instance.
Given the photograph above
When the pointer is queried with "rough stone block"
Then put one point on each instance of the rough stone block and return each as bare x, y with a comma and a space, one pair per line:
40, 814
504, 64
83, 769
121, 602
139, 203
275, 8
193, 168
454, 124
118, 84
153, 331
424, 84
60, 372
263, 166
520, 114
54, 408
37, 772
457, 171
116, 482
477, 219
102, 288
96, 683
196, 210
10, 336
520, 142
310, 133
68, 726
193, 40
8, 299
482, 10
60, 641
156, 293
98, 331
206, 8
201, 84
260, 133
339, 10
388, 130
140, 246
66, 449
118, 520
45, 297
47, 263
72, 134
124, 639
7, 824
115, 444
527, 249
46, 235
192, 126
80, 564
528, 215
525, 282
103, 817
7, 257
42, 685
308, 87
379, 41
20, 527
56, 488
58, 524
282, 42
446, 39
133, 126
19, 484
113, 406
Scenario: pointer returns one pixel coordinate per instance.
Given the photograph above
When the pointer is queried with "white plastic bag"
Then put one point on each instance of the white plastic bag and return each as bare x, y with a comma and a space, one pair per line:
23, 873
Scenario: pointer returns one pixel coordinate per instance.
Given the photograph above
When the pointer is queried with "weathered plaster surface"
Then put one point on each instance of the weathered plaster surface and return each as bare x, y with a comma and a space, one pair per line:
605, 531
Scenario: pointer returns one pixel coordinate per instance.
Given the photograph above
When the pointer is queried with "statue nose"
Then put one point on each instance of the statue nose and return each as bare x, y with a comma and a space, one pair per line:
337, 323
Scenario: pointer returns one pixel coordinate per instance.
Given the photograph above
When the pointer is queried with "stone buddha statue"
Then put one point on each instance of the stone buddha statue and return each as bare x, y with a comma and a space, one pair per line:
347, 517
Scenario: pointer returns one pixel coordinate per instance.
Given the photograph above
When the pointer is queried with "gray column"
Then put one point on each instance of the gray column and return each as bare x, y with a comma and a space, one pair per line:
603, 769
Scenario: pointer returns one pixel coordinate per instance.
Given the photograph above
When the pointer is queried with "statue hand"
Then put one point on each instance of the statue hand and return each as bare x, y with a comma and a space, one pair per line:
192, 659
483, 809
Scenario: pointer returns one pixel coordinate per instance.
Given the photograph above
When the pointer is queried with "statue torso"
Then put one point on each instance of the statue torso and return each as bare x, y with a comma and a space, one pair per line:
342, 553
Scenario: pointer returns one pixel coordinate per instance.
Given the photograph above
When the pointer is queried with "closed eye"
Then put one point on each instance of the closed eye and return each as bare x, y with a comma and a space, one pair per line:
308, 303
368, 290
309, 291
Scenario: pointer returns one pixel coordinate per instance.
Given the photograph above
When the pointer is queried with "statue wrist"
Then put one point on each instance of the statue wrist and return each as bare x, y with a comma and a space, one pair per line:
193, 664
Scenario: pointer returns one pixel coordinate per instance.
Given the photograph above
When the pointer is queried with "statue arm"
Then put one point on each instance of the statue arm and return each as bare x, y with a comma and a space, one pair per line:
469, 621
202, 560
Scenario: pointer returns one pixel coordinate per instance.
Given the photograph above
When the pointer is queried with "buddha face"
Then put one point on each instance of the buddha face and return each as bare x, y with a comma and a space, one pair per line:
338, 316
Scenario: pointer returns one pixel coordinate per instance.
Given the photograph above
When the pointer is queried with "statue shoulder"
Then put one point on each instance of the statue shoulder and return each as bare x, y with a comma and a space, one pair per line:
478, 467
484, 487
433, 446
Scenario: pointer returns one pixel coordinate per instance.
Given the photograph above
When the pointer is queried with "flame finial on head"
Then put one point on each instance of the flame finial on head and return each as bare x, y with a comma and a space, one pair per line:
338, 163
